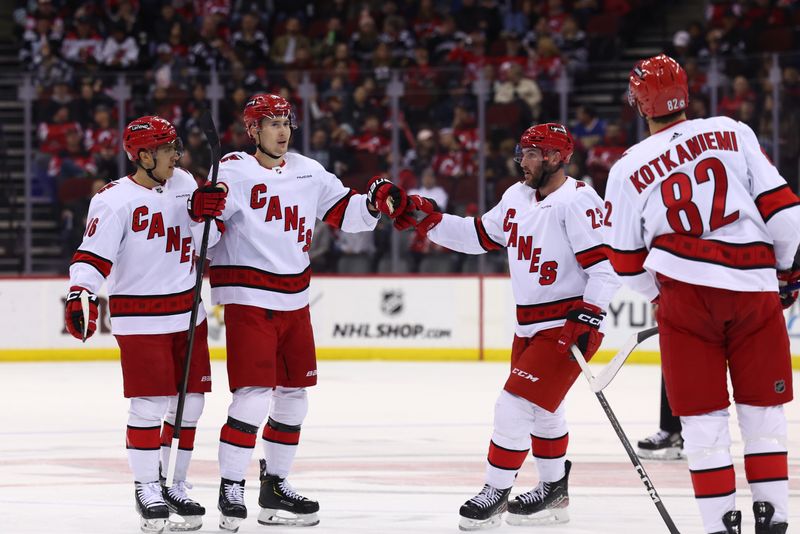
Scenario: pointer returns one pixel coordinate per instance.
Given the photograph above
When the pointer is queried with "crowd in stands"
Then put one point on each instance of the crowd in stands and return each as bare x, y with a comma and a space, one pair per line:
350, 49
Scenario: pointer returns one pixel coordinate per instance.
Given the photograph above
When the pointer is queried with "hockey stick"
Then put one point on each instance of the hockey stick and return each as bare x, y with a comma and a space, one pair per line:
790, 287
85, 308
637, 464
210, 131
601, 381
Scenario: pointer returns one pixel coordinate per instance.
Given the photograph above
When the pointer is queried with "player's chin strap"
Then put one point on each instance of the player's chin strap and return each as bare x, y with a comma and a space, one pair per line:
261, 149
150, 171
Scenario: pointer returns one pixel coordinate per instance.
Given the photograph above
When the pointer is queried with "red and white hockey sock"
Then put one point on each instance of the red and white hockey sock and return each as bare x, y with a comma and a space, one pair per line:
765, 456
549, 441
513, 419
142, 437
192, 408
237, 440
707, 446
503, 465
280, 446
185, 448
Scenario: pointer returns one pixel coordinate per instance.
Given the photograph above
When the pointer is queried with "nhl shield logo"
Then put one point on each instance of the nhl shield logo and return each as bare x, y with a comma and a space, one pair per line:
392, 302
780, 386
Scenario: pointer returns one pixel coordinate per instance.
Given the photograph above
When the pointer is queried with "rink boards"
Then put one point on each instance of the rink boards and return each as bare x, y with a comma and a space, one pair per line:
409, 317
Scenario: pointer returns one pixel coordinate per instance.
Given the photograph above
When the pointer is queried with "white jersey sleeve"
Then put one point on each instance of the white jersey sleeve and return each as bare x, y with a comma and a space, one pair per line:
470, 235
775, 200
97, 254
343, 208
625, 245
584, 222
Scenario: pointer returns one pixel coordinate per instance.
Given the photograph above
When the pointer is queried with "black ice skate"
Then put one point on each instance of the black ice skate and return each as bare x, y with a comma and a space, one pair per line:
546, 504
484, 510
662, 445
179, 503
151, 507
281, 505
231, 504
733, 522
763, 512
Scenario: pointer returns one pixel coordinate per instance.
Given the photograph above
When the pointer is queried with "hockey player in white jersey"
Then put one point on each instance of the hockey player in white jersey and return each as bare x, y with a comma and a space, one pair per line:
260, 271
700, 221
562, 282
141, 235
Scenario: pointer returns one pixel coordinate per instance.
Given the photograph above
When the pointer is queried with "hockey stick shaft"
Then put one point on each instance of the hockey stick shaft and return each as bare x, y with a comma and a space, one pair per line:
637, 464
210, 130
602, 380
85, 309
790, 287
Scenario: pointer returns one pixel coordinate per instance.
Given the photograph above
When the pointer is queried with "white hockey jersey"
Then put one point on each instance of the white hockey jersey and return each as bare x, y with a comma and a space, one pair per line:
555, 251
701, 203
262, 260
144, 242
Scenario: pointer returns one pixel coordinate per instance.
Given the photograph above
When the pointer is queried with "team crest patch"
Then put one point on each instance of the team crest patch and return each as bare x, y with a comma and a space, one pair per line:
780, 386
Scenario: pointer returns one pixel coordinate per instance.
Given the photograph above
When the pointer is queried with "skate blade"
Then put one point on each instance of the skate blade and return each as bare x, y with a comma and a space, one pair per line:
668, 454
270, 516
551, 516
467, 524
230, 523
189, 523
152, 526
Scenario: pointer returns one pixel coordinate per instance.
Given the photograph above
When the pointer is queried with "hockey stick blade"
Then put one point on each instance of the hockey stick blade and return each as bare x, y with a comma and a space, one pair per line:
601, 381
626, 444
84, 296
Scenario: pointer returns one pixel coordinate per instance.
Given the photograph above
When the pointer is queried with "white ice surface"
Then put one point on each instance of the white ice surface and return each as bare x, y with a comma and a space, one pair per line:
386, 448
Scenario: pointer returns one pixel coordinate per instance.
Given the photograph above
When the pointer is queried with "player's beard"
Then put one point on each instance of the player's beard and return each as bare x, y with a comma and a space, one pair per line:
541, 177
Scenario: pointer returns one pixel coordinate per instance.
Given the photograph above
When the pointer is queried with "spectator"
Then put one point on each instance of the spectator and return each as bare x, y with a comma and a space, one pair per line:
250, 43
169, 70
603, 155
53, 135
319, 149
49, 69
43, 30
589, 129
399, 41
573, 44
429, 189
100, 128
517, 19
371, 139
517, 87
119, 49
83, 42
285, 47
730, 103
365, 40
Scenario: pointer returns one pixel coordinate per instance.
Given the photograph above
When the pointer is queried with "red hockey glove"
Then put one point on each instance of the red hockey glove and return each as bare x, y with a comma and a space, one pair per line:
582, 329
73, 313
787, 286
422, 213
207, 201
386, 197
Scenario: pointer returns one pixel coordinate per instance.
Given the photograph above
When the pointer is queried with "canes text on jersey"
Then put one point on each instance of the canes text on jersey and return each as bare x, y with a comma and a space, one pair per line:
527, 252
274, 212
154, 224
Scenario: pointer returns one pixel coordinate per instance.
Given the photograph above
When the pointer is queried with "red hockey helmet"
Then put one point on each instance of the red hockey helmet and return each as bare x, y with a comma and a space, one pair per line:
149, 133
548, 136
659, 86
266, 106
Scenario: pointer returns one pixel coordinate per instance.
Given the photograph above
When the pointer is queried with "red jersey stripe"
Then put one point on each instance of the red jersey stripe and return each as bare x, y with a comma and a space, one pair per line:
235, 275
507, 459
771, 202
627, 262
591, 256
546, 311
486, 242
143, 438
149, 305
736, 256
335, 215
102, 265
